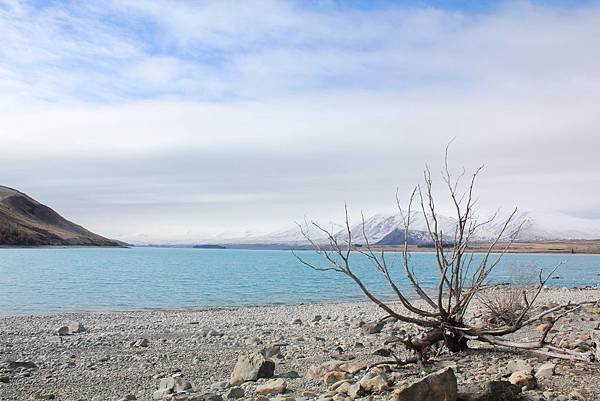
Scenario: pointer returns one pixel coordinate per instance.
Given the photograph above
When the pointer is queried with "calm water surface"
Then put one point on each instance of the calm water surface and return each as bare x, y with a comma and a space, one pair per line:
39, 281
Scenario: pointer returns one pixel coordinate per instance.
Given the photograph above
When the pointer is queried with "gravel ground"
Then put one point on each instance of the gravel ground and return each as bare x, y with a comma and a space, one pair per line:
101, 363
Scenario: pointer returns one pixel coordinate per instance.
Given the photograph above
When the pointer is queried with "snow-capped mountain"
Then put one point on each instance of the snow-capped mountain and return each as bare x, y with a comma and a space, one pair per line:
388, 229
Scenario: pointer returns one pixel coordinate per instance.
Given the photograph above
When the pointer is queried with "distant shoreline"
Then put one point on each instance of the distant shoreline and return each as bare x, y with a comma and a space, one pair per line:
588, 247
541, 247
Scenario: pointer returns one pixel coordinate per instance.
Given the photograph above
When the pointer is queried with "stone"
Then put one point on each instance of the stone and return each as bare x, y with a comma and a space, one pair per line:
382, 352
353, 367
373, 327
545, 370
14, 365
167, 383
292, 374
4, 379
234, 393
142, 342
317, 372
437, 386
250, 367
160, 393
342, 387
373, 382
269, 352
297, 321
275, 386
335, 376
523, 379
71, 328
355, 391
181, 384
494, 391
518, 365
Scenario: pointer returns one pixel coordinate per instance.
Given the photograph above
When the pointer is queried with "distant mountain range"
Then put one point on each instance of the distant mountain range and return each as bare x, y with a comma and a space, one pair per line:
388, 229
25, 221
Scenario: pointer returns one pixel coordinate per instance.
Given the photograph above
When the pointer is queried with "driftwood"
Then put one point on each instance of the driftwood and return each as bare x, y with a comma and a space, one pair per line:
442, 313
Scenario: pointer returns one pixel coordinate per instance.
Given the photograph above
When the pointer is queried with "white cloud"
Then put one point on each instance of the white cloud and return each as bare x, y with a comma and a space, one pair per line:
172, 118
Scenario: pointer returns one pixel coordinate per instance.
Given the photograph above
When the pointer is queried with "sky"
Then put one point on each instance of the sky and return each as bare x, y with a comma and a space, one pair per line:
168, 121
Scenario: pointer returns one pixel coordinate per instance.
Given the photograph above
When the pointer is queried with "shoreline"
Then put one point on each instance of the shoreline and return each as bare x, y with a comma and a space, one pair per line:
234, 308
104, 363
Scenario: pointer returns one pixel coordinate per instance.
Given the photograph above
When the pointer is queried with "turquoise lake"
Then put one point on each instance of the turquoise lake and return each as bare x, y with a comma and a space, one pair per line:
42, 281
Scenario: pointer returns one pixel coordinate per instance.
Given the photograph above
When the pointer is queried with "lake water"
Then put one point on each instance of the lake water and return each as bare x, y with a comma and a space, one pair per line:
40, 281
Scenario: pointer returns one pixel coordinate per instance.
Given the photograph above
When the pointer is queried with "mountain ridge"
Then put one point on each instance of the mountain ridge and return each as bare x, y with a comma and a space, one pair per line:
26, 222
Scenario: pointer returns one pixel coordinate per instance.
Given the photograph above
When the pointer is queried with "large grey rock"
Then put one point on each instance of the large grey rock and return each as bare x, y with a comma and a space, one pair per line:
545, 370
71, 328
437, 386
276, 386
494, 391
518, 365
250, 367
234, 393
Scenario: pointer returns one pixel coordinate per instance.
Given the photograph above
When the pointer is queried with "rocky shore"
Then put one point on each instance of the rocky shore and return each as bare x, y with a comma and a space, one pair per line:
303, 353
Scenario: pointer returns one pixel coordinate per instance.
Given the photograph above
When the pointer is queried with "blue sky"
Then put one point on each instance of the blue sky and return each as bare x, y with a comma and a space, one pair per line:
220, 116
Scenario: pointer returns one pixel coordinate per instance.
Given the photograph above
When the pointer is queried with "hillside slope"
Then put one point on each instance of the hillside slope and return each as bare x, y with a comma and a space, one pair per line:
25, 221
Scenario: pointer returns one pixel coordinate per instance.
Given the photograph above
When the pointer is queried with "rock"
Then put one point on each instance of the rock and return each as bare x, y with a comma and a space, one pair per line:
14, 365
250, 367
269, 352
160, 393
142, 342
373, 327
275, 386
292, 374
317, 318
335, 376
382, 352
523, 379
518, 365
355, 391
545, 370
297, 321
494, 391
71, 328
341, 387
4, 379
440, 385
167, 383
234, 393
181, 384
373, 382
222, 385
353, 367
317, 372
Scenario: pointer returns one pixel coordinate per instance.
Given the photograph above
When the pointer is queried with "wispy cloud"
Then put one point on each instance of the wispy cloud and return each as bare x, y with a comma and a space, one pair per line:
276, 109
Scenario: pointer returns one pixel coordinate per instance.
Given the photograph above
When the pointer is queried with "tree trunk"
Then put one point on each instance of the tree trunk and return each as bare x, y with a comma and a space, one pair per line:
455, 341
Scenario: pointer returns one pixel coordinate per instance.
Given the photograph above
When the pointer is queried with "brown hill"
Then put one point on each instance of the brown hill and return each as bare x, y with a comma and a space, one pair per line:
25, 221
